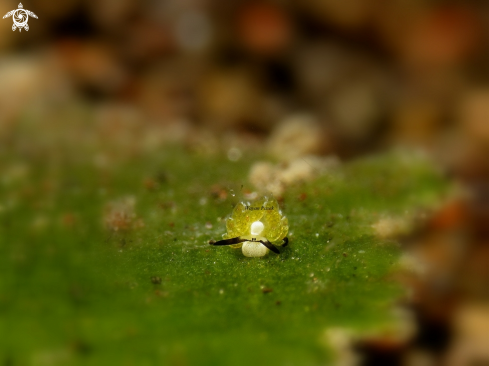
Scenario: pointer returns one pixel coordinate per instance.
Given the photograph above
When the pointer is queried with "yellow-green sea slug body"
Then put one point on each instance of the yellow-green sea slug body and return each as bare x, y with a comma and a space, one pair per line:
256, 228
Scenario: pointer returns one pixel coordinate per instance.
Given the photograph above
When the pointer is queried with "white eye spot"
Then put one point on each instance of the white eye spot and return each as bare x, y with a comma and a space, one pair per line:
257, 228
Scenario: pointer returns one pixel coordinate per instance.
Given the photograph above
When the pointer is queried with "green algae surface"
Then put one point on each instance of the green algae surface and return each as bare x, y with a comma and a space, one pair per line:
82, 286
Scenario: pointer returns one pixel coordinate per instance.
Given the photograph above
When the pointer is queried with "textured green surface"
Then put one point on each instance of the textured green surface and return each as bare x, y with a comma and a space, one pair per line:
73, 292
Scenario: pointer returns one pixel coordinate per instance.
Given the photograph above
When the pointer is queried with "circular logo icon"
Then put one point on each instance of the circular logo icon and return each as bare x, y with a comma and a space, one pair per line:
20, 18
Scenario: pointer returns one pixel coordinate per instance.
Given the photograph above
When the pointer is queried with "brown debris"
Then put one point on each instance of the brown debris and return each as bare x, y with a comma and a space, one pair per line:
298, 136
267, 177
119, 215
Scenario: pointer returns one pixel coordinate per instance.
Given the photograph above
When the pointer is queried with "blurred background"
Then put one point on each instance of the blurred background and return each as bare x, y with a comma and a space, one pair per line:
369, 74
289, 78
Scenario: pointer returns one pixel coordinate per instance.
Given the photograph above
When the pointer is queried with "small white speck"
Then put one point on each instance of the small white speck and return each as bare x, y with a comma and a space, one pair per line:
221, 291
361, 251
317, 235
311, 275
214, 262
251, 196
234, 154
203, 201
293, 257
327, 269
327, 241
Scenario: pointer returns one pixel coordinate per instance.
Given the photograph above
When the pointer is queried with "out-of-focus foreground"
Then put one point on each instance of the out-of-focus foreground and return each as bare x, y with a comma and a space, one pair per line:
107, 84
